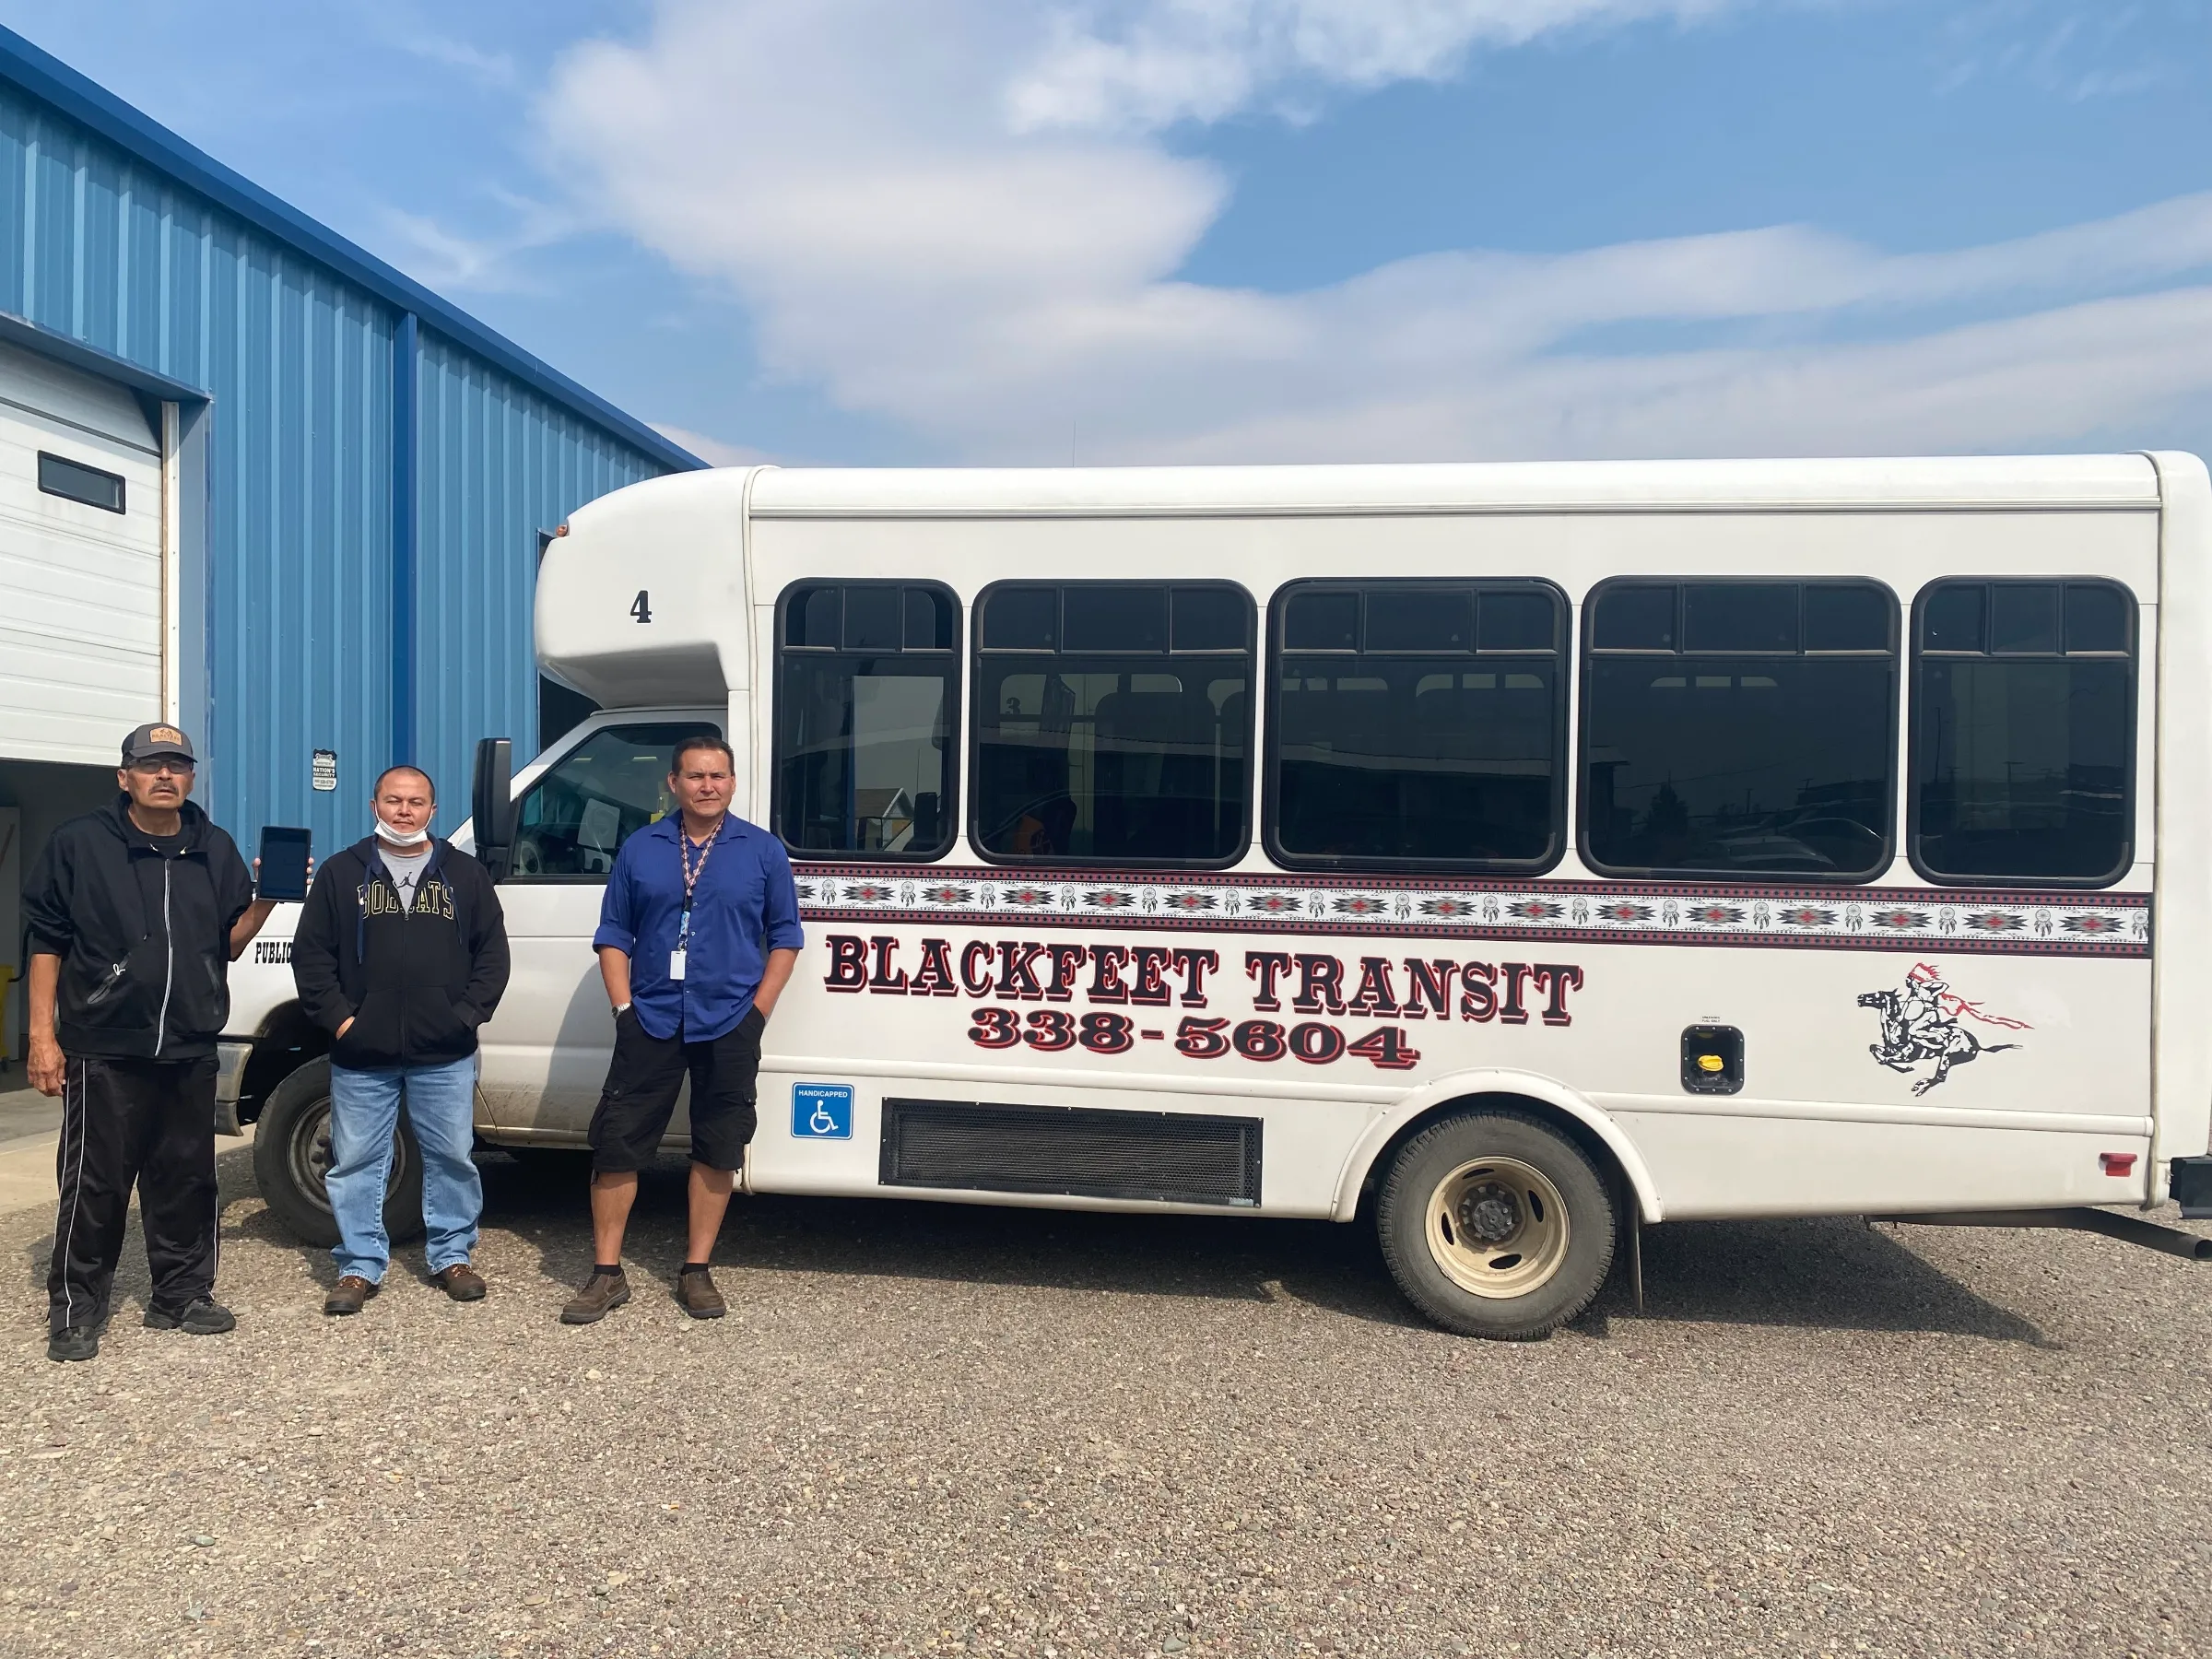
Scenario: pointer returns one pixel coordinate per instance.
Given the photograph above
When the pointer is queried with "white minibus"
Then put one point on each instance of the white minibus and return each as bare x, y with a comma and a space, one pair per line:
1514, 855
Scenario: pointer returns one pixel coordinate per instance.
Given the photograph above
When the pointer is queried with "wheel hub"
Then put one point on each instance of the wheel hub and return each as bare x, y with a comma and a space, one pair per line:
1498, 1227
1490, 1213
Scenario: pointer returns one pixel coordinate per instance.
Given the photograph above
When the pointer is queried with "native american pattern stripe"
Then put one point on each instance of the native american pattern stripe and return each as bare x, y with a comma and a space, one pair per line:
2067, 924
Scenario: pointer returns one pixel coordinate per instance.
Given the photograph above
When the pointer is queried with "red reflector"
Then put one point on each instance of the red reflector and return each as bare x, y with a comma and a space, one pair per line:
2117, 1163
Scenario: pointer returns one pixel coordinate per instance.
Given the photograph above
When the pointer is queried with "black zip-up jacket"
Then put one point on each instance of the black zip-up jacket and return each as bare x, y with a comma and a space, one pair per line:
144, 934
416, 984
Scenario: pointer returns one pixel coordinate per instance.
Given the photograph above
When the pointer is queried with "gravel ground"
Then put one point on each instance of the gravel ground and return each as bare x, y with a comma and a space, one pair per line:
939, 1430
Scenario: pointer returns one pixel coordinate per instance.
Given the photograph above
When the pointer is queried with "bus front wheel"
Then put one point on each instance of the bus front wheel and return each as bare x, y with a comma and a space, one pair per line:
291, 1156
1495, 1225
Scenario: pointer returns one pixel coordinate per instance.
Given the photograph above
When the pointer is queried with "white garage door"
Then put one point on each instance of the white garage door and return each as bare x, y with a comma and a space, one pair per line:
81, 564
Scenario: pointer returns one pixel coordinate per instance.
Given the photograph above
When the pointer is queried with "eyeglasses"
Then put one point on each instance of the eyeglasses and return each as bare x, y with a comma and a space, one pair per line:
162, 763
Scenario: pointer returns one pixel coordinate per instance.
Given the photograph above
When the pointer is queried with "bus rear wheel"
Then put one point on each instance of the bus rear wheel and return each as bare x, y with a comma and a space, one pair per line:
1495, 1225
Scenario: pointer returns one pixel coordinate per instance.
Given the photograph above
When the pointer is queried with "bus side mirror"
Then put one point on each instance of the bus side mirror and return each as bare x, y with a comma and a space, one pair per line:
491, 804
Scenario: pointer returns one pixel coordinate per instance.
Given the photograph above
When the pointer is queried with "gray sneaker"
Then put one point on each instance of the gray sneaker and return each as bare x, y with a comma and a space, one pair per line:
601, 1295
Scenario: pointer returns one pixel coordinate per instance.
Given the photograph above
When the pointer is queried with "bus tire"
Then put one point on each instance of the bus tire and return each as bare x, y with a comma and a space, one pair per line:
1495, 1225
291, 1154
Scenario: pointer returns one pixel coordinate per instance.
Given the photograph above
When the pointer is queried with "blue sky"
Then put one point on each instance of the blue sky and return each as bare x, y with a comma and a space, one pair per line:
1024, 230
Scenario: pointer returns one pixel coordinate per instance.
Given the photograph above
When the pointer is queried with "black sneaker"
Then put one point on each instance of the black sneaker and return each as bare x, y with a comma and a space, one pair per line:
201, 1318
78, 1342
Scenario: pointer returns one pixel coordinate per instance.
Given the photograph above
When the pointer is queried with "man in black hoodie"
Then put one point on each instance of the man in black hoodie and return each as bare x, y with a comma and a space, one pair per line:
400, 955
136, 914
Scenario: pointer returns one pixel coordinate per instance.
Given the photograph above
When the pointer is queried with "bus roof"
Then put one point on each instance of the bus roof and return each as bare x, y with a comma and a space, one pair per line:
1964, 482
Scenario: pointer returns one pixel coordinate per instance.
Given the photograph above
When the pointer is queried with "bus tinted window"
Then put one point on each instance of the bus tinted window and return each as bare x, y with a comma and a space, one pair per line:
1633, 616
866, 700
1740, 616
1762, 745
2022, 722
1850, 619
1417, 724
1113, 721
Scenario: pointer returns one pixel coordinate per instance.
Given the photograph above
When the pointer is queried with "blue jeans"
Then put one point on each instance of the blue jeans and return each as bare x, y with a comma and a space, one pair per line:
364, 1113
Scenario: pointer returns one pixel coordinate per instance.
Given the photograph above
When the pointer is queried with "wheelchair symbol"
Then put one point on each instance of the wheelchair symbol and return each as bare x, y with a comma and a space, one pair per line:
821, 1111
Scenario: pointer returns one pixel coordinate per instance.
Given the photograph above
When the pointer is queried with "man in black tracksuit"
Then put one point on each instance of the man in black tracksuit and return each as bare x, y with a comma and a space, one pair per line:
136, 914
400, 954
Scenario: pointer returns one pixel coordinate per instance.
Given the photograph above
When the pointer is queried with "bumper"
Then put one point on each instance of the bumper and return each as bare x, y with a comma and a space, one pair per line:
229, 1079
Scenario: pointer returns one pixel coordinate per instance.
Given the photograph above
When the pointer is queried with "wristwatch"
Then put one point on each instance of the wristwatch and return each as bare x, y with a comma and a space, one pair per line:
620, 1009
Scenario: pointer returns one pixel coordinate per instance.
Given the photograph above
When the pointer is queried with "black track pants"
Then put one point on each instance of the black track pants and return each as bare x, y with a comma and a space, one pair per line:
149, 1122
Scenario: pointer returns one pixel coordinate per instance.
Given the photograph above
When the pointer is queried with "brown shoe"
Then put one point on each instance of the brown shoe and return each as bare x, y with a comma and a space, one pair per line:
348, 1295
601, 1295
459, 1281
695, 1289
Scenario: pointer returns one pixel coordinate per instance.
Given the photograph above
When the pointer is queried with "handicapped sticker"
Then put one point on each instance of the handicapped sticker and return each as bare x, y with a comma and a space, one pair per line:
821, 1111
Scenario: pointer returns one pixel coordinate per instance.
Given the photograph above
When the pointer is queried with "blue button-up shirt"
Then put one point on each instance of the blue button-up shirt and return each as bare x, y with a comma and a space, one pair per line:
743, 906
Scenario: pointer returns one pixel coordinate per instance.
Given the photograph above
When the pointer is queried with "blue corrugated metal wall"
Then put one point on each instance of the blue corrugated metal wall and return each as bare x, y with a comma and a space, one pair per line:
497, 465
299, 363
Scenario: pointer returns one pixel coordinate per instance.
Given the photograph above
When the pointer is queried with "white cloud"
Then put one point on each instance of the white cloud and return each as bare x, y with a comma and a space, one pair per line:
2044, 380
442, 258
493, 69
951, 216
1135, 64
2071, 50
712, 450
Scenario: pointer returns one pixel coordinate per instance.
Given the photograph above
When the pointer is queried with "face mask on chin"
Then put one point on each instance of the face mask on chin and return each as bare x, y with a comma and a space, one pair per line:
402, 837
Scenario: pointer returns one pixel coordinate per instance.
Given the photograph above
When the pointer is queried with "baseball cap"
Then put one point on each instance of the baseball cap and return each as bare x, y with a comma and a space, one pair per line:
151, 741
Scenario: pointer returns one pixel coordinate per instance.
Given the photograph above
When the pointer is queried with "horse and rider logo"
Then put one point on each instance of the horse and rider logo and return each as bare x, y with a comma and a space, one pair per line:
1920, 1023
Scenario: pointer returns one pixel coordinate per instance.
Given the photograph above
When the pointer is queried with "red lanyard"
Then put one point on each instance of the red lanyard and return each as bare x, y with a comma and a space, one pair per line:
691, 875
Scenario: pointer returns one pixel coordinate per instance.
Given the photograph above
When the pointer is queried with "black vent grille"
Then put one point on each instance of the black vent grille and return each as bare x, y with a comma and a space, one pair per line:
1166, 1157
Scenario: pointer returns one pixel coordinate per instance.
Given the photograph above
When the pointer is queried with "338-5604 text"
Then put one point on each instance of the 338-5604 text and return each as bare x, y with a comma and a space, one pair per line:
1314, 1041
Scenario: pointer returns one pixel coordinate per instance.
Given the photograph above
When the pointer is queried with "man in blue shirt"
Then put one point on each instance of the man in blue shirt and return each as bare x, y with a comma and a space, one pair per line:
698, 937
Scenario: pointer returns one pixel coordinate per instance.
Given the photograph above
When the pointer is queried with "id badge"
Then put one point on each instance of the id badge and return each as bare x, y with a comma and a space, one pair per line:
676, 964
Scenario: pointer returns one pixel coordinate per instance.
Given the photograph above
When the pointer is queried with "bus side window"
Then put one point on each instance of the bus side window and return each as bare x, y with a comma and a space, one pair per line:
1739, 728
1418, 724
1113, 721
867, 700
575, 818
2023, 731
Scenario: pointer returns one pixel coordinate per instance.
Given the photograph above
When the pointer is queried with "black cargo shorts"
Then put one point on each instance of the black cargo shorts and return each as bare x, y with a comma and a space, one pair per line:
644, 1078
